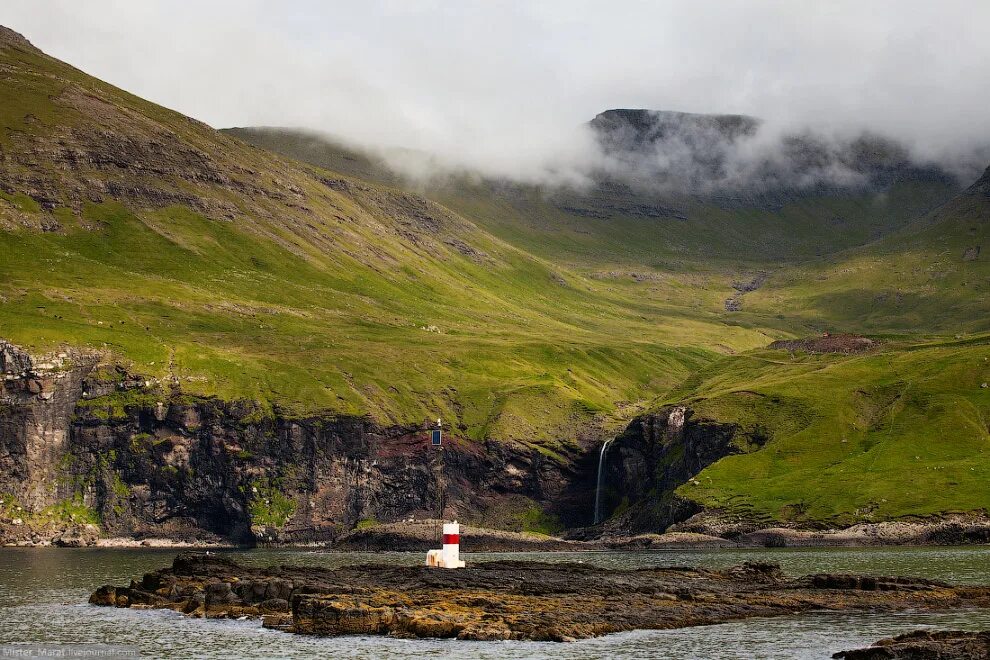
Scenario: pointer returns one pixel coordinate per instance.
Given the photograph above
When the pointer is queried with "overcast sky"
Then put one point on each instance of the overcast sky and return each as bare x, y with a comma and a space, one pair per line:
501, 85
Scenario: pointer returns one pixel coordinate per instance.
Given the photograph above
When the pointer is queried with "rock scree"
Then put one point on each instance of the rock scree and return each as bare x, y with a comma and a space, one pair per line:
520, 600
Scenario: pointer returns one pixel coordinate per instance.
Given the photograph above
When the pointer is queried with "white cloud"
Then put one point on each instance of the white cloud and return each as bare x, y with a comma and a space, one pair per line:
503, 86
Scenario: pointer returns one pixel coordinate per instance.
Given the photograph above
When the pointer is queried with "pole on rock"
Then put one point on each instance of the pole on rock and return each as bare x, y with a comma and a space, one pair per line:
449, 554
436, 440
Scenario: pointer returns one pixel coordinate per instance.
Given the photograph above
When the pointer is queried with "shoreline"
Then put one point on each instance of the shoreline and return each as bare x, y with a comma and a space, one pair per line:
633, 544
422, 535
513, 599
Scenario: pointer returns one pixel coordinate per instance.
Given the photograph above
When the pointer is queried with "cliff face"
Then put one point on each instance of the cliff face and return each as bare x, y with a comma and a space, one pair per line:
656, 454
36, 404
82, 447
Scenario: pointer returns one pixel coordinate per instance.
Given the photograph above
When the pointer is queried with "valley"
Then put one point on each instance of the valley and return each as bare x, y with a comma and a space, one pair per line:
241, 336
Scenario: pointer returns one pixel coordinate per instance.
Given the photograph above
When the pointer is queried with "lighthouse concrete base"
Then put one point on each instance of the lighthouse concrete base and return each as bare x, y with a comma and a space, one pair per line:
449, 555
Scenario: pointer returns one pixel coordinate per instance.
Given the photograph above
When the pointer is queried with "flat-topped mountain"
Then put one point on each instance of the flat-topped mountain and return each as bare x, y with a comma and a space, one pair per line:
625, 129
716, 155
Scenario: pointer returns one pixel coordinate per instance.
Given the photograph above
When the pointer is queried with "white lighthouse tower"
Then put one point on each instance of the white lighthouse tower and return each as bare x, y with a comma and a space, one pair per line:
449, 555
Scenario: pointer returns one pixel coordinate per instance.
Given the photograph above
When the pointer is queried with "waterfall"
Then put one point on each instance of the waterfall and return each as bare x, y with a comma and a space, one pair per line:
598, 485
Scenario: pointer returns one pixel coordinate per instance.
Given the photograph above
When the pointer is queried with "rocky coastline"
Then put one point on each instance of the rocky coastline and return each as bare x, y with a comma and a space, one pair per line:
90, 452
512, 599
421, 535
926, 645
92, 455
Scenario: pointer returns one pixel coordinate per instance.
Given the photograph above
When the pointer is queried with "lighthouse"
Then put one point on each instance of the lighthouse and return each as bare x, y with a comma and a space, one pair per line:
449, 555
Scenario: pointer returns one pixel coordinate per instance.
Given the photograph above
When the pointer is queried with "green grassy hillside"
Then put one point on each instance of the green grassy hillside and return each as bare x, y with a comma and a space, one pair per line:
190, 256
515, 313
930, 277
611, 224
897, 432
904, 430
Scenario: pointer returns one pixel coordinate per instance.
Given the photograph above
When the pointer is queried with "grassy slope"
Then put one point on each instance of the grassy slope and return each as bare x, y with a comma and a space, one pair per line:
314, 297
711, 237
903, 431
918, 280
355, 298
720, 237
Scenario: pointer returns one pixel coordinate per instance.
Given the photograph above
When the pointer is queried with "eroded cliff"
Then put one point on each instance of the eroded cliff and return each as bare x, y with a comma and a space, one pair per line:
87, 449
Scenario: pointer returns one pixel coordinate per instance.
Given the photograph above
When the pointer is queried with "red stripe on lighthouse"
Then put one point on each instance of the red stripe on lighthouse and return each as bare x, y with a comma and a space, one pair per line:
451, 539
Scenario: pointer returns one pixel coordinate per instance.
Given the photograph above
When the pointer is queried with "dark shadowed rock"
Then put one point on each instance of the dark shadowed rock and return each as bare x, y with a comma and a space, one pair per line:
657, 453
926, 645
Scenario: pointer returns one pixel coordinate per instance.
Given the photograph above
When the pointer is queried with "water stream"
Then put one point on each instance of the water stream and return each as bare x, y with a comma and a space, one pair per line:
598, 484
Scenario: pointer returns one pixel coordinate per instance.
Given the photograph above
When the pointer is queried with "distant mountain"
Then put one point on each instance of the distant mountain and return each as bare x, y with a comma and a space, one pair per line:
717, 155
635, 130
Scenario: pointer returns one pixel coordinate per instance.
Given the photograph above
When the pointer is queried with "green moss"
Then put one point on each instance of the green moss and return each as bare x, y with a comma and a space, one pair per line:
141, 443
269, 506
72, 510
120, 489
118, 405
366, 523
10, 507
538, 521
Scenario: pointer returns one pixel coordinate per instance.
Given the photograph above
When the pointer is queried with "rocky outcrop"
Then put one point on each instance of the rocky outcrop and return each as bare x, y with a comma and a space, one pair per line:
926, 644
734, 303
747, 530
37, 399
510, 599
827, 343
11, 39
80, 448
656, 454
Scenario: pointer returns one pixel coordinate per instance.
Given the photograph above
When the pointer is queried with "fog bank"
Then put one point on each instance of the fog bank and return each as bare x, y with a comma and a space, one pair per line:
506, 88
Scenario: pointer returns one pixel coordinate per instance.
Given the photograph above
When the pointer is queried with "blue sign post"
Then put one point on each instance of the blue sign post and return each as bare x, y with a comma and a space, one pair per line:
436, 437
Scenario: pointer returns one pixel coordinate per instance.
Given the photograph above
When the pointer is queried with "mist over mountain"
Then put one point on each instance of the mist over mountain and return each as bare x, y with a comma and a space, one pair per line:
704, 154
690, 154
506, 90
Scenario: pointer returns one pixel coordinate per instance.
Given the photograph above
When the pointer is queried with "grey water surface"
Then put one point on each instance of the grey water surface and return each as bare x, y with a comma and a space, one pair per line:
43, 594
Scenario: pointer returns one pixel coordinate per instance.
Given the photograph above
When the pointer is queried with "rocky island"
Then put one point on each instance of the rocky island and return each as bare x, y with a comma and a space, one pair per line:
924, 644
519, 600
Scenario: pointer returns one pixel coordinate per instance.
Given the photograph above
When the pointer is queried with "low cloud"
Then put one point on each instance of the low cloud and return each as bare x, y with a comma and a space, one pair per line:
505, 89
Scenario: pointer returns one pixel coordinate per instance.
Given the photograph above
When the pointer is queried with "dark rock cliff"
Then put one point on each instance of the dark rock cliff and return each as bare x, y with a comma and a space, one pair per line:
36, 404
656, 454
80, 446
